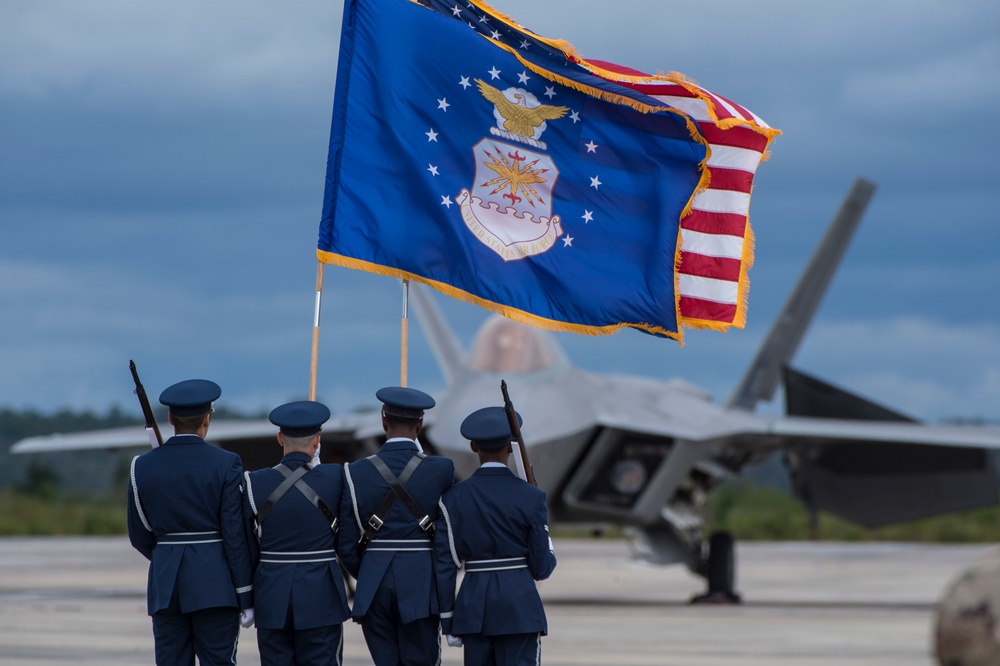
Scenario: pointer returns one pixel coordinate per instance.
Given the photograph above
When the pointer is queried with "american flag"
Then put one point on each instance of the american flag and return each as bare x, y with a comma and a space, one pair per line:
717, 241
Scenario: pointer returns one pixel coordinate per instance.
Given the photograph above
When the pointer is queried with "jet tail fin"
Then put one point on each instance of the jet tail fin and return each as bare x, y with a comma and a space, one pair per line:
444, 345
761, 379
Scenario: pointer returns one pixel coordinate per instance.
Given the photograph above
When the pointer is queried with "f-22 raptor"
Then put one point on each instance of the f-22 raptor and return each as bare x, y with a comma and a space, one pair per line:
645, 454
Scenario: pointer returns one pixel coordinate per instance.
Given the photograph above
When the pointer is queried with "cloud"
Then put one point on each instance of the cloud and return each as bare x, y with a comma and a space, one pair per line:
124, 53
917, 90
163, 170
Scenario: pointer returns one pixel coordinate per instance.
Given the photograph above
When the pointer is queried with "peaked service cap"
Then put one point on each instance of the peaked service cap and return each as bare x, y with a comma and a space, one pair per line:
488, 428
406, 403
191, 397
301, 418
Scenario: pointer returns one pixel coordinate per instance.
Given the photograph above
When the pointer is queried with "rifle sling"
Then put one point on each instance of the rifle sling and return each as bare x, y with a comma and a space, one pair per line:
295, 479
397, 490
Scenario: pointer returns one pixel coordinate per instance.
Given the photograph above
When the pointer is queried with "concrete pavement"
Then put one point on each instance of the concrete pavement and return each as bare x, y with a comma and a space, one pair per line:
82, 601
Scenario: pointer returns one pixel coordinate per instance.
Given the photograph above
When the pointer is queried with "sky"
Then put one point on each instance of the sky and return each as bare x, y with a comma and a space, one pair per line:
162, 169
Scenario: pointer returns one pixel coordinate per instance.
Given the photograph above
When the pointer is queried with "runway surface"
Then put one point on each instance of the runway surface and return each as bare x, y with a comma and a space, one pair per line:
82, 601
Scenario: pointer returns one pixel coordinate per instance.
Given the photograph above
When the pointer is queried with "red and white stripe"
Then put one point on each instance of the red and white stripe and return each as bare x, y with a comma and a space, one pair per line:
716, 234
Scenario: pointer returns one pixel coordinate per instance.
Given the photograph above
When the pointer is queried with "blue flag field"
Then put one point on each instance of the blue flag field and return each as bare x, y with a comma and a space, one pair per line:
472, 155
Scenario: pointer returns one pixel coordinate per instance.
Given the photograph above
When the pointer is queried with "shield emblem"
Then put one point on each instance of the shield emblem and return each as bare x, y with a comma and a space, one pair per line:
509, 208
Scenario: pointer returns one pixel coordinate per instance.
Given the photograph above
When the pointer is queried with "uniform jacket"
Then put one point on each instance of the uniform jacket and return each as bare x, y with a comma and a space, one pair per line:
293, 536
411, 560
185, 515
493, 515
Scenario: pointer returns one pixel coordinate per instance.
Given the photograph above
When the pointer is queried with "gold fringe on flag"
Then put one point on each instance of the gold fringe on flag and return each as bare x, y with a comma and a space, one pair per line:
506, 311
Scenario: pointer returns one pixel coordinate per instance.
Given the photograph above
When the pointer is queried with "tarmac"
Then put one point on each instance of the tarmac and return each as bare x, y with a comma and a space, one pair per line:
81, 601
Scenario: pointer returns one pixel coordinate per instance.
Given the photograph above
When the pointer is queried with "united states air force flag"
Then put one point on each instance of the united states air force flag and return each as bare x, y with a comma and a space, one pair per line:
496, 166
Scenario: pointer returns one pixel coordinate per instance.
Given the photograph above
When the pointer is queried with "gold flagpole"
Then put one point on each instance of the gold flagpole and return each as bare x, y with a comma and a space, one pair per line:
404, 341
314, 361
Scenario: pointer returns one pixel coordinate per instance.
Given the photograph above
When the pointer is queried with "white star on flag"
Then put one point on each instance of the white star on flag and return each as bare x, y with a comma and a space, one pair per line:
446, 201
433, 169
464, 82
568, 241
495, 35
523, 77
456, 11
595, 182
494, 73
588, 216
575, 117
443, 104
591, 146
432, 135
550, 91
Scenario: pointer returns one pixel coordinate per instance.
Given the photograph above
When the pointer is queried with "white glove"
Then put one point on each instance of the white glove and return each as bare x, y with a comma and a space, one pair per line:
454, 641
315, 460
246, 618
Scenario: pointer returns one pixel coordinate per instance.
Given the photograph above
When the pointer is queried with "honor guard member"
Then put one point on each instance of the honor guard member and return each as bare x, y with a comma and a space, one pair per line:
301, 602
497, 525
390, 508
185, 515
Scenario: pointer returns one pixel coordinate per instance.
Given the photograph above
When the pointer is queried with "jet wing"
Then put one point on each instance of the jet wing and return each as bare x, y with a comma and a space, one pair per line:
254, 440
802, 429
133, 437
709, 424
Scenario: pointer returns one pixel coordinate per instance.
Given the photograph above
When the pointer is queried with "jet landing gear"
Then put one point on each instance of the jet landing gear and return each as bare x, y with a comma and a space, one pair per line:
719, 570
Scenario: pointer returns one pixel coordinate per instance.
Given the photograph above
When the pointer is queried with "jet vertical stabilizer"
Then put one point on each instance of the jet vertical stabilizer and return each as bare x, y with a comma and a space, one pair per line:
444, 345
781, 343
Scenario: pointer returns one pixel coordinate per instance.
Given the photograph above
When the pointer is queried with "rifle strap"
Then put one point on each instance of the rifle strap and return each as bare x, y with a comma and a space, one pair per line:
397, 490
311, 495
295, 479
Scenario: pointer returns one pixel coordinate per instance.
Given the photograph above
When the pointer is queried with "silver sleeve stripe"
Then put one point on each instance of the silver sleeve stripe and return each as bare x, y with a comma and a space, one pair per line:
241, 590
135, 496
451, 535
447, 614
253, 505
354, 498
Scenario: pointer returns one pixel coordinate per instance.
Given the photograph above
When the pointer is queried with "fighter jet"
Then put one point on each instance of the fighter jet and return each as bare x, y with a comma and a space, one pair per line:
645, 453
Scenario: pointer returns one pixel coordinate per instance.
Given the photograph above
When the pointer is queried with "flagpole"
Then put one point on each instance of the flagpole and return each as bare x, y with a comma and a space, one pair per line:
404, 341
314, 360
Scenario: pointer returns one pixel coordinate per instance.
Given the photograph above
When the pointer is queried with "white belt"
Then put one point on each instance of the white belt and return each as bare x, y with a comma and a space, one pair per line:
297, 557
502, 564
399, 544
187, 538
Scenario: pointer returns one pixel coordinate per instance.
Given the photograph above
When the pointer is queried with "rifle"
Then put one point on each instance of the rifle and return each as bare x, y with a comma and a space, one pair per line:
515, 431
151, 428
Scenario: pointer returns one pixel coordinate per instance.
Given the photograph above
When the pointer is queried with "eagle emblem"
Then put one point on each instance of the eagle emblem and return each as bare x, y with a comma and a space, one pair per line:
520, 117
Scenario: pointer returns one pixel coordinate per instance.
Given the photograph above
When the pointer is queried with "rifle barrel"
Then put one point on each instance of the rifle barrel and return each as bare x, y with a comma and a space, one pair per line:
147, 411
515, 431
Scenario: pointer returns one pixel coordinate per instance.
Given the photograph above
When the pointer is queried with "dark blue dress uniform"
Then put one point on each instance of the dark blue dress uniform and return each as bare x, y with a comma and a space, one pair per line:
185, 515
301, 602
496, 525
396, 600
